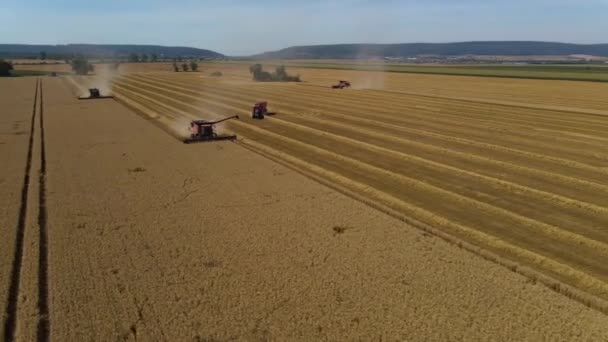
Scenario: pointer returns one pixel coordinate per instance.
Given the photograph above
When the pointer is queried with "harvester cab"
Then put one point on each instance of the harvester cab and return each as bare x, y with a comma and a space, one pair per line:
203, 131
95, 94
259, 110
341, 85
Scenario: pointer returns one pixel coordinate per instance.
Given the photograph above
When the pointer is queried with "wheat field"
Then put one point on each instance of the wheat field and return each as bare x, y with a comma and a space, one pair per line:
407, 207
523, 175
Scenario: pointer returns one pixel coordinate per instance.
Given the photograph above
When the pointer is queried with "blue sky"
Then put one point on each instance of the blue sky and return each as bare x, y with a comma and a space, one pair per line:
239, 27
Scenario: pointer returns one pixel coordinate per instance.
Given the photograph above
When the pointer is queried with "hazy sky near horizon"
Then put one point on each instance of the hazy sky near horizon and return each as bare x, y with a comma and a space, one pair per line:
238, 27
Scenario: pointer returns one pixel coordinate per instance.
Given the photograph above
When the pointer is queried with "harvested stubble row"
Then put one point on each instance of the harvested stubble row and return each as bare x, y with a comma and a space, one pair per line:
589, 95
527, 184
446, 120
541, 92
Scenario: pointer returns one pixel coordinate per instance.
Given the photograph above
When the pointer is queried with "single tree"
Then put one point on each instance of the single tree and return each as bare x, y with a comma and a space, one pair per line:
133, 58
175, 67
43, 55
144, 58
255, 69
185, 66
194, 66
280, 72
5, 68
154, 58
259, 74
81, 66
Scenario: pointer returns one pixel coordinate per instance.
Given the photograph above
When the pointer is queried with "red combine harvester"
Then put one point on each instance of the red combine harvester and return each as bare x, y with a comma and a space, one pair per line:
94, 94
260, 110
203, 131
341, 85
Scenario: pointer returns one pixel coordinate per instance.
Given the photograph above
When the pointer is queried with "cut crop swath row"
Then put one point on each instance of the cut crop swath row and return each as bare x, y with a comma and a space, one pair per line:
540, 92
552, 136
554, 176
305, 107
461, 107
445, 107
452, 172
415, 112
481, 114
519, 115
295, 145
458, 85
236, 108
583, 95
424, 123
405, 117
558, 97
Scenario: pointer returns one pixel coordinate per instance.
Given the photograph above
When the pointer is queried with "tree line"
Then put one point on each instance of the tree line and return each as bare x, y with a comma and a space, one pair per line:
143, 58
131, 58
193, 65
279, 75
82, 66
6, 68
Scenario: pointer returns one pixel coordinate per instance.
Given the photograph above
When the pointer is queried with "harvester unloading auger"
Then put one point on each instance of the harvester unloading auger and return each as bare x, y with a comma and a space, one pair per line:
94, 94
203, 131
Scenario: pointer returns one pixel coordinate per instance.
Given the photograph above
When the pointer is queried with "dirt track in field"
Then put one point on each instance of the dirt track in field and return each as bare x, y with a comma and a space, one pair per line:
17, 124
150, 239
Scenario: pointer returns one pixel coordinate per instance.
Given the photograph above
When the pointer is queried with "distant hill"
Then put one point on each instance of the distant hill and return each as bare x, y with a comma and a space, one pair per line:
98, 51
496, 48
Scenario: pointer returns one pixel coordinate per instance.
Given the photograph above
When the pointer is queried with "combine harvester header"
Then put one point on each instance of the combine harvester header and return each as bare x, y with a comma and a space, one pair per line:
341, 85
94, 94
203, 131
